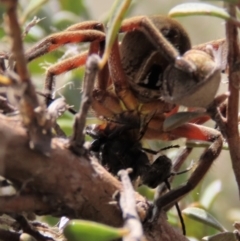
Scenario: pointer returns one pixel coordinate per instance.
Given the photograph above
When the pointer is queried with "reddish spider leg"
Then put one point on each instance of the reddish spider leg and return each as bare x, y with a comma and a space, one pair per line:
189, 130
80, 32
91, 31
204, 163
146, 25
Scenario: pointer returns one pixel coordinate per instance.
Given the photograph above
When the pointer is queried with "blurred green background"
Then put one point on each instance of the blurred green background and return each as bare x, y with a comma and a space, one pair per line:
218, 191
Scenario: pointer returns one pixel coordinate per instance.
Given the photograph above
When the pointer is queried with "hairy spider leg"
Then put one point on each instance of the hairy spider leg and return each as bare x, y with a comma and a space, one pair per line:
91, 31
152, 27
81, 32
192, 131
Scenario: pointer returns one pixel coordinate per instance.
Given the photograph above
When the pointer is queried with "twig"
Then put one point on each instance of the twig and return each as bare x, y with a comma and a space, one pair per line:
128, 207
2, 65
26, 227
233, 100
31, 24
77, 140
33, 115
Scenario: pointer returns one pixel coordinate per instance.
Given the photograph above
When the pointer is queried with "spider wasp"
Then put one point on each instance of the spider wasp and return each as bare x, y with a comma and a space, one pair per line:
117, 146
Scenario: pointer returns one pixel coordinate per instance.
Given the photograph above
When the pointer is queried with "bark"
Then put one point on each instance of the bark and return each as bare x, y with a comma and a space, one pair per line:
65, 184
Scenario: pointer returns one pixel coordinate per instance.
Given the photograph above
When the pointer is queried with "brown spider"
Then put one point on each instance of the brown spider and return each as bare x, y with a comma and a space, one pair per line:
151, 70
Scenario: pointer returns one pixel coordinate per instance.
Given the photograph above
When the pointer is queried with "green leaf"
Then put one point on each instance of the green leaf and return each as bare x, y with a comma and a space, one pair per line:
146, 192
66, 123
203, 144
227, 1
117, 14
210, 193
187, 9
179, 119
226, 236
203, 216
81, 230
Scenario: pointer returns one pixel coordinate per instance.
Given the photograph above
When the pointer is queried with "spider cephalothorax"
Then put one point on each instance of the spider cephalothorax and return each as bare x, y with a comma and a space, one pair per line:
144, 63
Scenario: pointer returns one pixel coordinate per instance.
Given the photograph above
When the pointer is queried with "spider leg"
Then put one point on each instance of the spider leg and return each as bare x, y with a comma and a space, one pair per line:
192, 131
91, 31
86, 25
119, 79
59, 68
153, 28
66, 65
85, 32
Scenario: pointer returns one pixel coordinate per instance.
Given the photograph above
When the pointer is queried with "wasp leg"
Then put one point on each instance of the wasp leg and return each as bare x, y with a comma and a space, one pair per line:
167, 183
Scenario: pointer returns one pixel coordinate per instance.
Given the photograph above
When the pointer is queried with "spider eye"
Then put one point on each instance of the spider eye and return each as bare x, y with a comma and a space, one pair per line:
170, 33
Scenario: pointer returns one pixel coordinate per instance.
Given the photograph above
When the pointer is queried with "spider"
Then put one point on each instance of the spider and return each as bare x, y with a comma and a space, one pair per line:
152, 71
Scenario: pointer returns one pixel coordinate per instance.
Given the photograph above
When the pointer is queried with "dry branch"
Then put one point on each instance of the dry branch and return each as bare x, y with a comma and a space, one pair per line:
33, 114
232, 132
76, 187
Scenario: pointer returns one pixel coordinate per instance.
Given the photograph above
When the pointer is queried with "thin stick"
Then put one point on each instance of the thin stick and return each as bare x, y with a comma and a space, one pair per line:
5, 106
33, 115
128, 207
233, 100
77, 140
27, 228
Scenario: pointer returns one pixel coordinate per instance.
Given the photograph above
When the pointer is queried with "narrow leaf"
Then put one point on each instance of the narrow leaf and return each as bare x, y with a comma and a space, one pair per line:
204, 217
179, 119
117, 13
210, 193
187, 9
